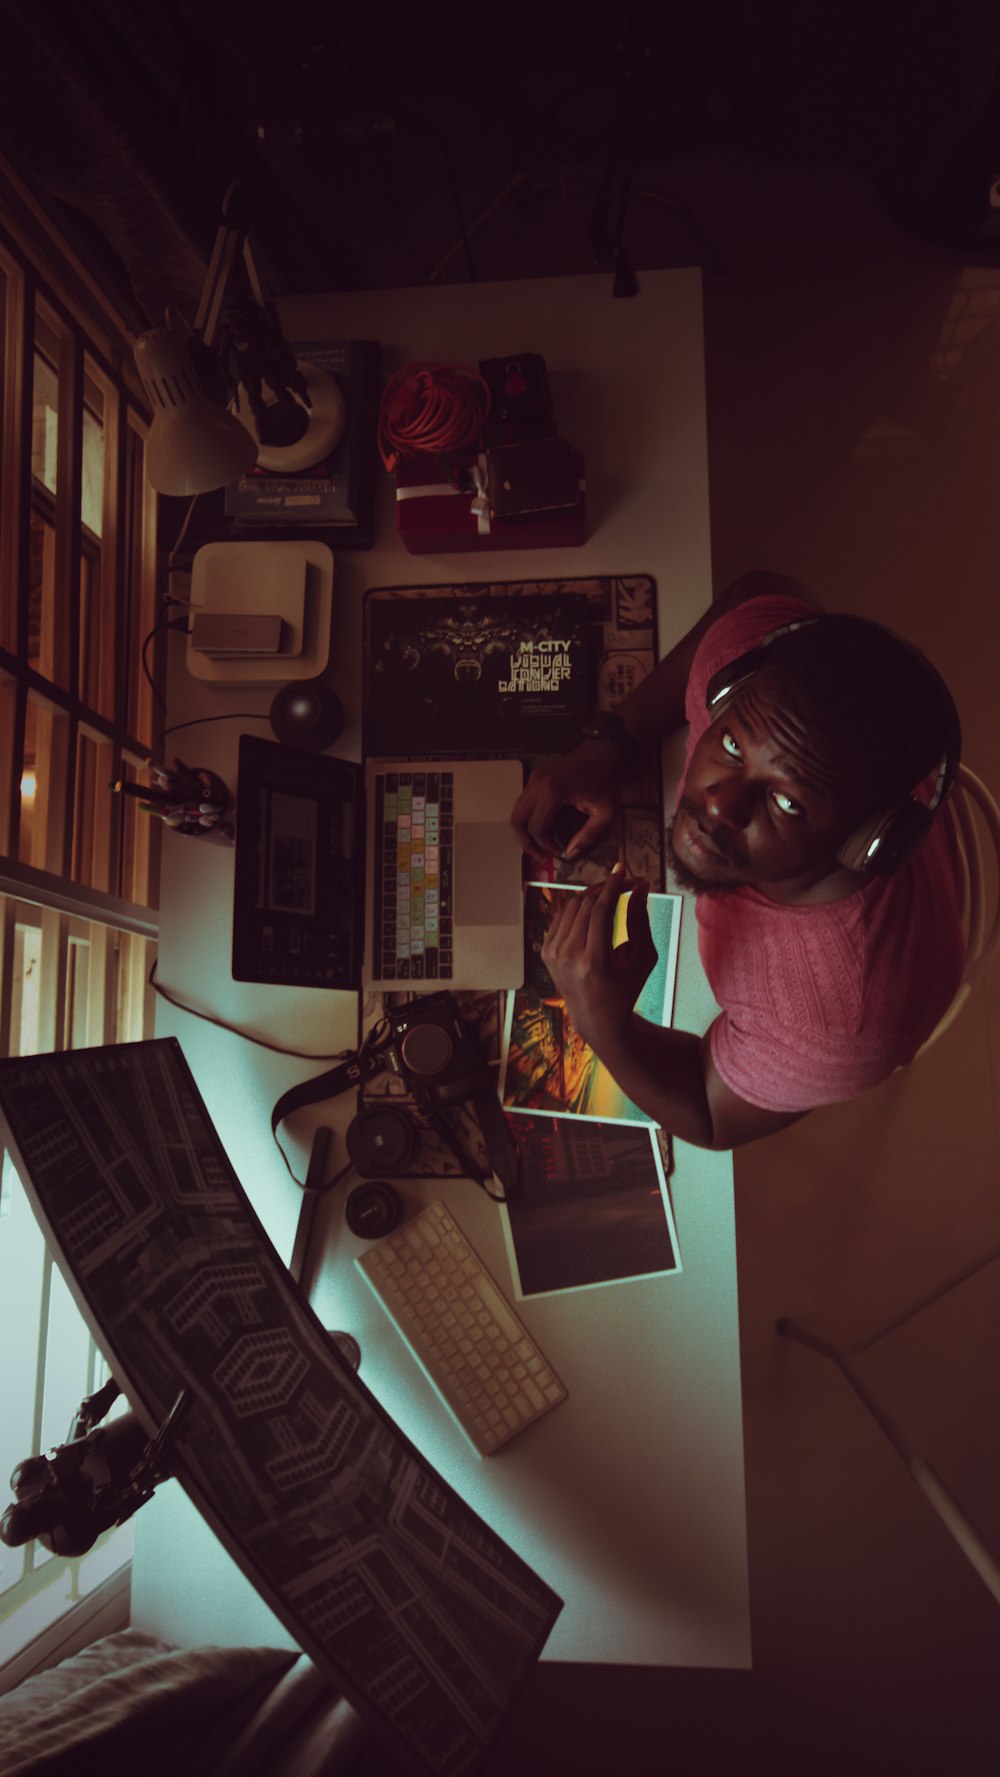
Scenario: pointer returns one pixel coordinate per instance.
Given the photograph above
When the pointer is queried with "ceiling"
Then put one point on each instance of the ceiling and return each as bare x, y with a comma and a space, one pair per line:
379, 157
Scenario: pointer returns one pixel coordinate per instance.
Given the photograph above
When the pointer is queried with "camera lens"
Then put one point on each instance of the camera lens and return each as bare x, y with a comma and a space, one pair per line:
426, 1049
373, 1210
381, 1142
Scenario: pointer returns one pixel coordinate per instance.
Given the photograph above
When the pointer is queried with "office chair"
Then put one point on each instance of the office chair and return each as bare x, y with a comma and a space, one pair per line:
953, 1516
970, 798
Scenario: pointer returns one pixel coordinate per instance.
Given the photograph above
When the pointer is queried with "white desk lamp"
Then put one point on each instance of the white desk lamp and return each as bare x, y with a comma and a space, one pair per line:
291, 413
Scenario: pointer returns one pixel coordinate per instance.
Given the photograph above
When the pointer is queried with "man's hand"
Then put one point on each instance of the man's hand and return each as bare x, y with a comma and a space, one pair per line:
668, 1073
599, 981
588, 778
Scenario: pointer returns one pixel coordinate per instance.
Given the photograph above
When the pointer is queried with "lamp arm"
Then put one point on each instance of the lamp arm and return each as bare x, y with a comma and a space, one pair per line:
220, 270
231, 238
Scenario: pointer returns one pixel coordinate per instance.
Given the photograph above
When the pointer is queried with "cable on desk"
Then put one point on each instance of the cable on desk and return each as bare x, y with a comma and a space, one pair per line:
230, 716
180, 623
371, 1044
234, 1029
469, 1168
431, 409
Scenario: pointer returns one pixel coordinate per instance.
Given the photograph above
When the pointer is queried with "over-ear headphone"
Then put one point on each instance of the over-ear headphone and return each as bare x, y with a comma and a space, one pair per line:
885, 841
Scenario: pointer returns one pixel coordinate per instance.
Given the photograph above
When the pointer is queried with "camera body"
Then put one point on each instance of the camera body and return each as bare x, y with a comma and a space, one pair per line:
434, 1052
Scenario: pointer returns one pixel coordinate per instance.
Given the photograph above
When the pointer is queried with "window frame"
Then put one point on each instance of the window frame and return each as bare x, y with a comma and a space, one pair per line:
41, 276
19, 497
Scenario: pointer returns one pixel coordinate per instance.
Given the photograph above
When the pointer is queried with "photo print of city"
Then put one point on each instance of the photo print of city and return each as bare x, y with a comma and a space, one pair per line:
594, 1206
546, 1065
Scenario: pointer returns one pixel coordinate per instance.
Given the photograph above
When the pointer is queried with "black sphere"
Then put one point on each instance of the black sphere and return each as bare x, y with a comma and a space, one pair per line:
307, 714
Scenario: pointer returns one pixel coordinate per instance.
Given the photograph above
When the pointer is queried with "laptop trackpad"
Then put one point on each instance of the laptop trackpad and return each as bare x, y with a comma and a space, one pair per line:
484, 895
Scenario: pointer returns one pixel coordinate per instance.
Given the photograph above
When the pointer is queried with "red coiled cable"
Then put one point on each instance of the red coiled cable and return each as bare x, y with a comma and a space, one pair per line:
431, 409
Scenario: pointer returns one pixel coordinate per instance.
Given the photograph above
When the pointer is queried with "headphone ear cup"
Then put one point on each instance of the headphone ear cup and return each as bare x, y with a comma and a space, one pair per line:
729, 680
727, 684
854, 853
886, 841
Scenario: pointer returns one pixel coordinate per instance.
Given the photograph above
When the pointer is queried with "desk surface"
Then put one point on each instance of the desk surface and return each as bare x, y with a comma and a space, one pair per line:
628, 1499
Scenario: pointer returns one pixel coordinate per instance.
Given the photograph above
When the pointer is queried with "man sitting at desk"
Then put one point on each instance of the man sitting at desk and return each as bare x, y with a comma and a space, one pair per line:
827, 906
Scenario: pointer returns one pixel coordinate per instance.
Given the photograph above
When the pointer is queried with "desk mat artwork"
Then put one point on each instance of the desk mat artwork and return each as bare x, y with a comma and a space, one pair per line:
593, 1205
436, 657
424, 1617
458, 670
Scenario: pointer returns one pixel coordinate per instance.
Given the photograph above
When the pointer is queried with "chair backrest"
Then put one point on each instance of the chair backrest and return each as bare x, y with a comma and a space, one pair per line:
970, 809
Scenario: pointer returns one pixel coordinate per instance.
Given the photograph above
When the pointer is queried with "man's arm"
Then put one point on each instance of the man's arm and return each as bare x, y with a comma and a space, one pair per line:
669, 1074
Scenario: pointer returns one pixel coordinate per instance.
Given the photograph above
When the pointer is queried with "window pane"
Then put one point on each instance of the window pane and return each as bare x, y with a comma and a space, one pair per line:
8, 702
93, 811
22, 1257
90, 947
45, 401
93, 467
99, 993
98, 631
139, 856
42, 1392
43, 786
11, 291
47, 636
48, 630
66, 1361
133, 999
140, 533
34, 968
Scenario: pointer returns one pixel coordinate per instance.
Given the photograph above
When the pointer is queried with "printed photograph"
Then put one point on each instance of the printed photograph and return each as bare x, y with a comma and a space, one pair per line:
593, 1206
546, 1064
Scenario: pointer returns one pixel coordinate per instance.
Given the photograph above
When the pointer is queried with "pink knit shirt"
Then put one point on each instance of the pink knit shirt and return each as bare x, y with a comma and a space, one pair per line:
821, 1002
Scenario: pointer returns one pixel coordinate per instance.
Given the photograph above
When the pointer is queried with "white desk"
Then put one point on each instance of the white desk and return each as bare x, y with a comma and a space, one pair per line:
629, 1499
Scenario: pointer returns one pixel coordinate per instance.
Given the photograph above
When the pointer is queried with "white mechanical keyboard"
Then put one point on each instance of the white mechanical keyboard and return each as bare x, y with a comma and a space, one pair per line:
462, 1331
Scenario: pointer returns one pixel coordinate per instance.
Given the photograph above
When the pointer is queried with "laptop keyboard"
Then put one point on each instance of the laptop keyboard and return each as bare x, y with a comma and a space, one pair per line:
414, 864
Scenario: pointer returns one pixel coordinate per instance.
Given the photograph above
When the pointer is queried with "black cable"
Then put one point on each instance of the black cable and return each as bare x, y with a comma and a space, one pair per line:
444, 1130
371, 1041
230, 716
168, 623
220, 1023
335, 1180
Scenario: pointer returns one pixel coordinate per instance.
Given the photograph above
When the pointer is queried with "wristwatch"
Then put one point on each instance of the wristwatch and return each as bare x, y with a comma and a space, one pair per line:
608, 725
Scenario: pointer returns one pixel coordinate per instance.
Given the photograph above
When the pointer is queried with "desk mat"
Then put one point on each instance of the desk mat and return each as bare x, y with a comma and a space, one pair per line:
513, 668
426, 1619
460, 670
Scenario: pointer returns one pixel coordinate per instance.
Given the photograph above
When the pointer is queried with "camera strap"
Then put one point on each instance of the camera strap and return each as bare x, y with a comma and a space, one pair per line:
352, 1071
328, 1085
499, 1145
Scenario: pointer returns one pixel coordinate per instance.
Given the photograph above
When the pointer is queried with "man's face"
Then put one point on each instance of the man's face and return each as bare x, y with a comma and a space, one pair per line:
764, 803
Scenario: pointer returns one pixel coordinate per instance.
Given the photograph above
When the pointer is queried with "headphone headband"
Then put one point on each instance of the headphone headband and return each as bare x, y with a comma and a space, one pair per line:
887, 840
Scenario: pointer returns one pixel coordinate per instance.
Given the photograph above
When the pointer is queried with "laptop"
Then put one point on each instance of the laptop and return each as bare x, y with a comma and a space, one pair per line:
406, 877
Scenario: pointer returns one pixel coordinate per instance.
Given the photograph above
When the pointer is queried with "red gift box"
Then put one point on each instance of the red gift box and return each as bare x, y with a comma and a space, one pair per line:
435, 518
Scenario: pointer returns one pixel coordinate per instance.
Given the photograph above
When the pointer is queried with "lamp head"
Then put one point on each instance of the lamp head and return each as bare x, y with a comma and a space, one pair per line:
194, 444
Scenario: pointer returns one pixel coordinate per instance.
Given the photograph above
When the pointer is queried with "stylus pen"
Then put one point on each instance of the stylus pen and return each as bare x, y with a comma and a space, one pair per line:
311, 1194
